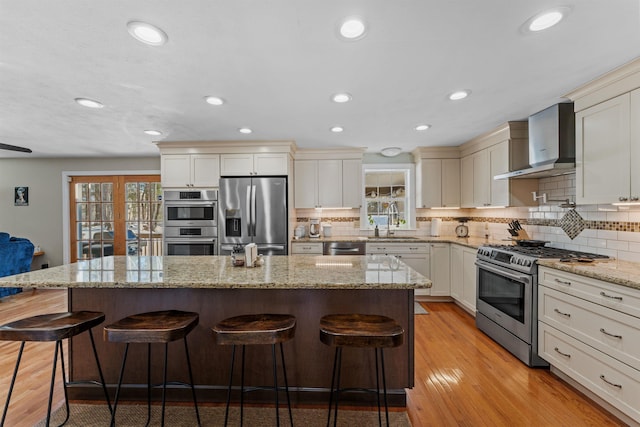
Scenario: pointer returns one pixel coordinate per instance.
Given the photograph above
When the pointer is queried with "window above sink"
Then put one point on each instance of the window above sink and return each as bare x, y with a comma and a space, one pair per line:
388, 197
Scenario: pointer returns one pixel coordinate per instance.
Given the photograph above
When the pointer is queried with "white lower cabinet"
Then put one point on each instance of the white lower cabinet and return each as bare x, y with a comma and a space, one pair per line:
463, 276
440, 270
590, 330
415, 255
314, 248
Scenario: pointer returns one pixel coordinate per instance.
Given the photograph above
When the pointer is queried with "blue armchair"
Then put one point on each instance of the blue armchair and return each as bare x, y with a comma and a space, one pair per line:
15, 257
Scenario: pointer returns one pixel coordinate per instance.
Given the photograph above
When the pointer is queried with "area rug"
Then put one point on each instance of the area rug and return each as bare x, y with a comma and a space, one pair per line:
418, 309
83, 415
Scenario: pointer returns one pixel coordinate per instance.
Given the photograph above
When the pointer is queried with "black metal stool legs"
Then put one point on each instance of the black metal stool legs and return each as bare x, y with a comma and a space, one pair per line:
275, 384
115, 400
226, 412
335, 381
104, 386
13, 381
193, 387
337, 364
286, 384
64, 384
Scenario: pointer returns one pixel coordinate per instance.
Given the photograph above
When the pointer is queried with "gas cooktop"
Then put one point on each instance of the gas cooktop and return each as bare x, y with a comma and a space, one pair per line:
546, 252
523, 258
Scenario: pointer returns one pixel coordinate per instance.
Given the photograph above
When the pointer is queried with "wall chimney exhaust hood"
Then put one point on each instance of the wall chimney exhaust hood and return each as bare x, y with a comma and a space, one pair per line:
552, 144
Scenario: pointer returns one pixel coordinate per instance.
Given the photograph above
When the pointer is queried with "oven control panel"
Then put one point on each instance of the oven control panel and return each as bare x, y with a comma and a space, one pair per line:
523, 263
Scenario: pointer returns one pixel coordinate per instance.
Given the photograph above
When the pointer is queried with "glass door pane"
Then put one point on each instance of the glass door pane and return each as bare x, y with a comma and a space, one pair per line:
115, 215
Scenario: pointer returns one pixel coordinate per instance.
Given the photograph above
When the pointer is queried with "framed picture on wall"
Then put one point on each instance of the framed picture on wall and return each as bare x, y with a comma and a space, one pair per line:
21, 196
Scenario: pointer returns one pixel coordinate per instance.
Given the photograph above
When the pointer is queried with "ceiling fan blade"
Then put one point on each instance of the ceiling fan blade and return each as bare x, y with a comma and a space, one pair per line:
14, 148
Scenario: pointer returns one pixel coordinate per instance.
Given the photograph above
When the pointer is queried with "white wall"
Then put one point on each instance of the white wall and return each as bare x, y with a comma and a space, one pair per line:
41, 221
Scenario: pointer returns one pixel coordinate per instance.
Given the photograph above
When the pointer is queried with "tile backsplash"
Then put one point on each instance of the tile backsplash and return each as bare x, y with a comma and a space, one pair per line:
604, 229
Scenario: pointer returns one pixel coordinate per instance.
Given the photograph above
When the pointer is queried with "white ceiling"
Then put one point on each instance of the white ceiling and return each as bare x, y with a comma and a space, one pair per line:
277, 62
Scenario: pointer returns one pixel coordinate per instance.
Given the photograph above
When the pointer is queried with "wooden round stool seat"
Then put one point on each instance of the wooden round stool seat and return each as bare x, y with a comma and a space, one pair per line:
255, 329
152, 327
52, 327
149, 328
360, 330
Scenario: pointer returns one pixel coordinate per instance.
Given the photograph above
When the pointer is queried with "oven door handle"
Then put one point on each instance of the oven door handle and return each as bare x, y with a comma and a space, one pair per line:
190, 240
503, 272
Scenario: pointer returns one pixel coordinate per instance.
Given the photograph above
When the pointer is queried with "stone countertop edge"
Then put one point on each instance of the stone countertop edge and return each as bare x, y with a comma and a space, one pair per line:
470, 242
295, 272
624, 273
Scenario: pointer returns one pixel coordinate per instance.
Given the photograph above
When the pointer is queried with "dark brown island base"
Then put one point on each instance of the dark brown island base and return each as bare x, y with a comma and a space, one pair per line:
305, 286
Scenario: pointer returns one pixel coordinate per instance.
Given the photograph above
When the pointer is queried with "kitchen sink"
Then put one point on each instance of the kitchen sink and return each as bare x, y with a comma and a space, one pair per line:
392, 238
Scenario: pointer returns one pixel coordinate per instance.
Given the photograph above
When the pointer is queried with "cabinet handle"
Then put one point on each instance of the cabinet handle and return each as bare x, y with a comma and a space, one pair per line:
611, 296
603, 378
610, 334
623, 199
562, 282
634, 198
561, 313
561, 353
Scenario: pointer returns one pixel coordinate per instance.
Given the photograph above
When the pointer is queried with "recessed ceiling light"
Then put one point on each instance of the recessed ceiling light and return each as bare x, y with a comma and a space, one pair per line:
390, 151
341, 98
460, 94
89, 103
147, 33
546, 19
245, 130
337, 129
153, 132
422, 127
353, 28
214, 100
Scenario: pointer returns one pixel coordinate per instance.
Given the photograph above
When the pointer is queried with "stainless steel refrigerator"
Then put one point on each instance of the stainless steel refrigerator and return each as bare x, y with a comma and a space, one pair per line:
253, 210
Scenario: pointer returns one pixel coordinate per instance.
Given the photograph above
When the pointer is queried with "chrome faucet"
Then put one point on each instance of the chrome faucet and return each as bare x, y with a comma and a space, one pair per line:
391, 211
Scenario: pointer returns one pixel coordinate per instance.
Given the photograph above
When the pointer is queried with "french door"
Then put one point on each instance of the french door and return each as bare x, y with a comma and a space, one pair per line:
115, 215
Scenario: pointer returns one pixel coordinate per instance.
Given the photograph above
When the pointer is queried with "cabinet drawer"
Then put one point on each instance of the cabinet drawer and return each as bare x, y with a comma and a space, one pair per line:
614, 333
306, 248
395, 248
613, 381
620, 298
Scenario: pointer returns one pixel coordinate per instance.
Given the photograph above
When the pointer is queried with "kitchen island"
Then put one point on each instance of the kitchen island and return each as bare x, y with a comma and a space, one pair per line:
305, 286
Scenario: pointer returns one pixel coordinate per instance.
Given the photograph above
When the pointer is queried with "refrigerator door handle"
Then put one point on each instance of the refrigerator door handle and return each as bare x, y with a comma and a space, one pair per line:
253, 210
250, 221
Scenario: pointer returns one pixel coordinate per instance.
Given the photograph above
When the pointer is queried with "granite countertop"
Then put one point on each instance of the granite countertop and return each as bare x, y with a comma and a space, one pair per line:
278, 272
623, 273
471, 242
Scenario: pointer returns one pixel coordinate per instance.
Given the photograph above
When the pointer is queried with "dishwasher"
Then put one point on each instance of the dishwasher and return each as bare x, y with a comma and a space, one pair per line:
344, 248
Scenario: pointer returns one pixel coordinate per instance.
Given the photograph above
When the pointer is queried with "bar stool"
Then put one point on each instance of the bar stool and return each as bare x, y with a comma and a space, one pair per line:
256, 329
148, 328
52, 327
363, 331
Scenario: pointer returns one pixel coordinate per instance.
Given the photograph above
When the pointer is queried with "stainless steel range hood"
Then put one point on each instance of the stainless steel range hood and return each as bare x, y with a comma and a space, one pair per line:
552, 144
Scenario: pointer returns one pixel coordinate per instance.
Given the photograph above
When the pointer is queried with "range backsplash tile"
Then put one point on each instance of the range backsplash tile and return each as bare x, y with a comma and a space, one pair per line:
572, 224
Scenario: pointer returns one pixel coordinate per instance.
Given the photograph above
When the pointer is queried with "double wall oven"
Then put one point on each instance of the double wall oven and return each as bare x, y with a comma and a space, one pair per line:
191, 222
507, 296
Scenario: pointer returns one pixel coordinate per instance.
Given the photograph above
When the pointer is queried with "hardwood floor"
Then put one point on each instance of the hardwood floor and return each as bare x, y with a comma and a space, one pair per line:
463, 378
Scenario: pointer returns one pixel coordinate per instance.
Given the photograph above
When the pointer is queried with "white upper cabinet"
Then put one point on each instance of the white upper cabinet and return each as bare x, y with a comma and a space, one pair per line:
318, 183
329, 182
606, 153
242, 164
352, 183
502, 150
475, 183
437, 177
190, 170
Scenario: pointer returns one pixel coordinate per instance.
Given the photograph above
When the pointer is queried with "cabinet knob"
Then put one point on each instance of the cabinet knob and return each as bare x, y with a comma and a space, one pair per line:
622, 199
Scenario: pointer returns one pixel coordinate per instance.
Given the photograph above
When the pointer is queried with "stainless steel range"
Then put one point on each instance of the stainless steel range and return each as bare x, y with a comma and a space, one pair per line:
507, 295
